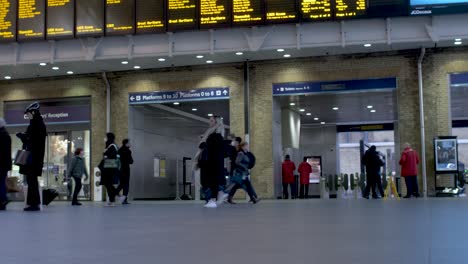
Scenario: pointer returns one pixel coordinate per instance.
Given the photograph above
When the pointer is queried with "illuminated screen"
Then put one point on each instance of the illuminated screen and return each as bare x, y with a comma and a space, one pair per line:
90, 18
8, 20
281, 11
60, 19
120, 17
150, 16
315, 9
247, 12
31, 19
181, 15
215, 13
350, 8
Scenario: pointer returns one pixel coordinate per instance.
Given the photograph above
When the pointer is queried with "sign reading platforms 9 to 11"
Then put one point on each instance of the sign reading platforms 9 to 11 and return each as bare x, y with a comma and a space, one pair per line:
203, 94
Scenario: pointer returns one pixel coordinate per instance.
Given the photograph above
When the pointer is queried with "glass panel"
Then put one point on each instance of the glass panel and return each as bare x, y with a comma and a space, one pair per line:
56, 165
81, 139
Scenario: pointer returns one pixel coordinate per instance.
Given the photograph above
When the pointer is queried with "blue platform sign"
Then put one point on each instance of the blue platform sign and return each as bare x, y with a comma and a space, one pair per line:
459, 79
335, 86
203, 94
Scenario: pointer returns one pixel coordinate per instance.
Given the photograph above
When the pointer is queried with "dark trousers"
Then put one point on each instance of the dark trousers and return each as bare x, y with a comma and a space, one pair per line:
412, 186
285, 190
3, 190
34, 198
110, 191
124, 184
304, 192
372, 182
78, 186
246, 185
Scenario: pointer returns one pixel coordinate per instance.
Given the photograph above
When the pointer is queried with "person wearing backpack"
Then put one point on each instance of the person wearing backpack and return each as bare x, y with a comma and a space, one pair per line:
76, 171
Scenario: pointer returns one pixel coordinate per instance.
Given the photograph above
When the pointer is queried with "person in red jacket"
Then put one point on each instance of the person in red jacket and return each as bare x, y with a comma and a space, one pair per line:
305, 169
409, 170
288, 169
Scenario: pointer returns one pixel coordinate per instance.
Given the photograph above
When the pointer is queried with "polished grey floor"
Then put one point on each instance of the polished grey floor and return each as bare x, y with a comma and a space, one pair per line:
283, 232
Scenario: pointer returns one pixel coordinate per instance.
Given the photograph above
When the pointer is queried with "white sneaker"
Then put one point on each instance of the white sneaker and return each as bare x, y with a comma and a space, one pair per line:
122, 198
110, 204
222, 197
211, 204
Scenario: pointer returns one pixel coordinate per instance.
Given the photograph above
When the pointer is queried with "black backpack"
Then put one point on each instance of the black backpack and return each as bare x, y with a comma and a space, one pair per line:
251, 160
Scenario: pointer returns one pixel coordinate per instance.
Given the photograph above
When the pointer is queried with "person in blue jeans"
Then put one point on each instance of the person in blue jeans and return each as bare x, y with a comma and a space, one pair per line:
5, 163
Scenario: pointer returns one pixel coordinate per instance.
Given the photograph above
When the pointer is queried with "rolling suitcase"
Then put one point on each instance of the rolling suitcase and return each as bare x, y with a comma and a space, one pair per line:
48, 195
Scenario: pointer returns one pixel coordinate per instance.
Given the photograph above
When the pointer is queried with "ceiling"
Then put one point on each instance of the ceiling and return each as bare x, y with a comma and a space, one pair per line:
352, 107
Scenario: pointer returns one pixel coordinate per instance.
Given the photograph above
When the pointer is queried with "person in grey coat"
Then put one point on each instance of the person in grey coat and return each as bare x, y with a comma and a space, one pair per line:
77, 169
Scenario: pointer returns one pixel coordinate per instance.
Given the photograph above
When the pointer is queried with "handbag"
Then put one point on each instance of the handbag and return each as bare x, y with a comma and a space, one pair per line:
111, 163
22, 157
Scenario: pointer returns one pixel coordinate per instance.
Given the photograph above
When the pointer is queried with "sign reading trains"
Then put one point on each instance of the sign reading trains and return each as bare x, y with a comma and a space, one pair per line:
247, 12
90, 18
60, 18
181, 15
31, 19
350, 8
120, 17
150, 16
7, 20
315, 9
281, 11
215, 13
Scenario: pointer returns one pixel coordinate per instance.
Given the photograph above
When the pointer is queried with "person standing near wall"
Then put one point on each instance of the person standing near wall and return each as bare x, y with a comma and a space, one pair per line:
33, 141
109, 170
288, 168
126, 160
76, 171
5, 163
305, 169
373, 163
409, 170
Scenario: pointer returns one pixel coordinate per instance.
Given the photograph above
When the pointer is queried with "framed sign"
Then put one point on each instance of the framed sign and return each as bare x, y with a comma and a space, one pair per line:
446, 154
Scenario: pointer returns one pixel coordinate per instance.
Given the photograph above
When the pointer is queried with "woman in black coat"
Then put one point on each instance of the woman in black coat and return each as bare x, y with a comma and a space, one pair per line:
33, 141
108, 174
126, 160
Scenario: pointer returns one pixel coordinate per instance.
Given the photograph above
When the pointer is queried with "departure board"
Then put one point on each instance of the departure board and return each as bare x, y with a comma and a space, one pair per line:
247, 12
31, 19
181, 15
350, 8
8, 9
89, 18
60, 19
315, 9
120, 17
281, 11
150, 16
215, 13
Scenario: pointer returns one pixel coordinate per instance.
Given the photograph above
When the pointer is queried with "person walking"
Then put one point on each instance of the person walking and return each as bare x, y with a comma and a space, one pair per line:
409, 162
126, 160
5, 163
288, 168
373, 163
33, 141
109, 168
76, 170
305, 169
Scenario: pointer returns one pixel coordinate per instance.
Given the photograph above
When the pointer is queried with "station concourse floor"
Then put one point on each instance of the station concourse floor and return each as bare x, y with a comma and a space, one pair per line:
273, 232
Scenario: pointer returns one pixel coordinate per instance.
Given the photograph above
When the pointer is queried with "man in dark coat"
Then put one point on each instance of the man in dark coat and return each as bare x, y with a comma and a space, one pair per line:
126, 160
33, 141
5, 163
373, 162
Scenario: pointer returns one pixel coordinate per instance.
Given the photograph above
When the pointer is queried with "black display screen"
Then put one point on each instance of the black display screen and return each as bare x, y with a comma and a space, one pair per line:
279, 11
315, 9
8, 10
120, 17
181, 15
247, 12
350, 8
215, 13
387, 8
150, 16
89, 18
31, 19
60, 19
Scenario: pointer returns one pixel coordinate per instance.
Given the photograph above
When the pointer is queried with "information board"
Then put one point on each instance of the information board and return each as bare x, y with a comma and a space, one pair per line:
120, 17
150, 16
181, 15
89, 18
247, 12
8, 10
215, 13
281, 11
315, 9
31, 19
350, 8
60, 19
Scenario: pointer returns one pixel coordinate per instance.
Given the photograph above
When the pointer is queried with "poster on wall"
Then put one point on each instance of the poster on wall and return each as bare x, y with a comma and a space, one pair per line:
316, 163
446, 154
156, 167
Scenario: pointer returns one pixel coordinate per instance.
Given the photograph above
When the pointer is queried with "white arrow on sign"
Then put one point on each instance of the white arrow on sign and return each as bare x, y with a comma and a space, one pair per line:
225, 92
132, 98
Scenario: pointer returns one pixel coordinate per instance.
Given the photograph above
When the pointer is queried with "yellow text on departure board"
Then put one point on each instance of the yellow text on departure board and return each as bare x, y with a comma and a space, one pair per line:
88, 29
316, 9
180, 4
244, 12
55, 3
280, 15
27, 9
211, 12
113, 2
343, 8
5, 9
58, 31
150, 24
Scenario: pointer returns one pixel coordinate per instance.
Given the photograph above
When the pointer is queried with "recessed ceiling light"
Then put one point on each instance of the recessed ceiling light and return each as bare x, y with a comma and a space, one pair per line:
367, 45
239, 53
210, 114
301, 110
200, 56
309, 114
292, 104
42, 64
370, 107
336, 108
176, 103
209, 61
124, 62
161, 59
55, 68
458, 43
458, 39
287, 55
316, 118
136, 67
323, 123
373, 111
280, 50
7, 77
194, 109
70, 72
